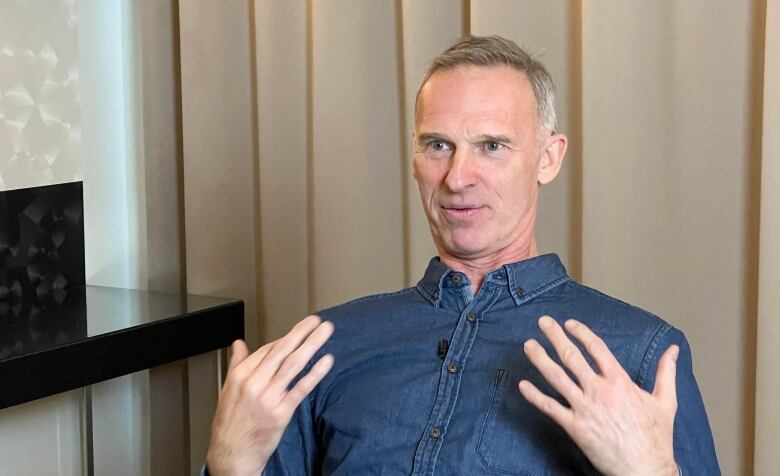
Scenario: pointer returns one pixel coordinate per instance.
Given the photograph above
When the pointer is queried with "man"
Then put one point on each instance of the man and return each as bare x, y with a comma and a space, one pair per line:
431, 379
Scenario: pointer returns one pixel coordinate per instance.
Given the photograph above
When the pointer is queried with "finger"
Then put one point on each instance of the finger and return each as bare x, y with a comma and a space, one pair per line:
245, 367
546, 404
569, 354
241, 366
552, 372
596, 348
296, 361
307, 383
239, 352
665, 384
278, 350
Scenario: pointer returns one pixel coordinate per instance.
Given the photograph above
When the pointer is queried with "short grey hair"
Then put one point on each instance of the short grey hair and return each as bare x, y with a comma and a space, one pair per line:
498, 51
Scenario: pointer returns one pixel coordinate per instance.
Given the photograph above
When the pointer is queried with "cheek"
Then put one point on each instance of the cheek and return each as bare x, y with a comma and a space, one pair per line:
517, 195
427, 175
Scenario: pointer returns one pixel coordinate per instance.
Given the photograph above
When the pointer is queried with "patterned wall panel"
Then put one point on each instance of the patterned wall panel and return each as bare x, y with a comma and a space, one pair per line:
40, 120
41, 266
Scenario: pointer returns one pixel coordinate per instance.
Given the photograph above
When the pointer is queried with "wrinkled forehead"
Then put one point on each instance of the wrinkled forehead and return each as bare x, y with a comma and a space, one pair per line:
475, 91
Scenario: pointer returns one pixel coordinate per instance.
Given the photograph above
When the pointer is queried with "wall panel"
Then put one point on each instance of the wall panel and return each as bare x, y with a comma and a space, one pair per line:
357, 216
283, 96
666, 184
220, 179
767, 456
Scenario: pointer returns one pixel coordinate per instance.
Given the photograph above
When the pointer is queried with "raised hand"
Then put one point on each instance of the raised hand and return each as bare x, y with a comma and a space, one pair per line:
255, 405
621, 428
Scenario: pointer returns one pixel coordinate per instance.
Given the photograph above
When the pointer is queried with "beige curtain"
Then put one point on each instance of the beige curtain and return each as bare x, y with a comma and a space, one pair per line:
297, 191
767, 456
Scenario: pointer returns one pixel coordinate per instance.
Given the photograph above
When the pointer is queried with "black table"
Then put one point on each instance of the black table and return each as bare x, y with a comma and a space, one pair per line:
66, 340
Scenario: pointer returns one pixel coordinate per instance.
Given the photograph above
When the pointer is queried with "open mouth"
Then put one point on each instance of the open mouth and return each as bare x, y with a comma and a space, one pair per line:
461, 211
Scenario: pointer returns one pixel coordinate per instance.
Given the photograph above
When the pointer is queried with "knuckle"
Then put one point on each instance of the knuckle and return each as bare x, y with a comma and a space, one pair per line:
252, 389
560, 377
555, 379
290, 365
268, 410
235, 379
569, 355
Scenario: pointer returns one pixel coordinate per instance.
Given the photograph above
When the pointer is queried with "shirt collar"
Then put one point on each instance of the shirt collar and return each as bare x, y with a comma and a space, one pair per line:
525, 279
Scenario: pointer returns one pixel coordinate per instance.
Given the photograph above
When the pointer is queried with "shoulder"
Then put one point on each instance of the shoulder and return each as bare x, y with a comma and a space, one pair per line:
638, 337
373, 306
600, 309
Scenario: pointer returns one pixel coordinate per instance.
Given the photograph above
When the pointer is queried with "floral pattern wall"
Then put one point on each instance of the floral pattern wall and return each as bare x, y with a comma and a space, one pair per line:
40, 118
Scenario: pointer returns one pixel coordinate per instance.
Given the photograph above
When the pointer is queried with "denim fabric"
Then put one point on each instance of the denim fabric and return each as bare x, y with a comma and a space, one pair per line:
391, 405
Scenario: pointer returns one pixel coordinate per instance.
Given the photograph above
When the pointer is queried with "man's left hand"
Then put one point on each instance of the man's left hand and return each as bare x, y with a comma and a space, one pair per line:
621, 428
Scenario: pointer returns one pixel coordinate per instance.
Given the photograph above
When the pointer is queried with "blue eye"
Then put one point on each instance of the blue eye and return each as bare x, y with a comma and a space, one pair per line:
492, 146
437, 145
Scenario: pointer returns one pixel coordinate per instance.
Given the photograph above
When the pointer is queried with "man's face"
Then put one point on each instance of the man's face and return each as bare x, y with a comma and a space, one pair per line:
479, 157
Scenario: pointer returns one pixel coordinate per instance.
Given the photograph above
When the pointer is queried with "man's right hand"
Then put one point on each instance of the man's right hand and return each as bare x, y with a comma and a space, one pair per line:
255, 405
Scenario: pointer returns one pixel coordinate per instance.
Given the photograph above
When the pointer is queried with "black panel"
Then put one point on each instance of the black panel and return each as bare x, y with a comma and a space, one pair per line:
41, 267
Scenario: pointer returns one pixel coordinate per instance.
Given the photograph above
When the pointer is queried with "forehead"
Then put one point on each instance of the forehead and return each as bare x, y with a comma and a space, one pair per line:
476, 92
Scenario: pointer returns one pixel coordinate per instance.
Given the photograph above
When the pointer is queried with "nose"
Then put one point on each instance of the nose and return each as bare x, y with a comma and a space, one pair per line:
461, 174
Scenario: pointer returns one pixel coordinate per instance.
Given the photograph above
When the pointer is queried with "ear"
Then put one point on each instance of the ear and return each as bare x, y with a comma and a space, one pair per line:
552, 158
415, 165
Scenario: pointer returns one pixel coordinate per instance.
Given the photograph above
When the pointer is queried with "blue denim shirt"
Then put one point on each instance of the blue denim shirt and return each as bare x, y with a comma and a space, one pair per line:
392, 405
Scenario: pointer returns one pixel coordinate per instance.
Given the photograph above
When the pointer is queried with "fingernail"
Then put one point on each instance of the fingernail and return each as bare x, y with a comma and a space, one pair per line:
545, 322
526, 345
675, 353
571, 323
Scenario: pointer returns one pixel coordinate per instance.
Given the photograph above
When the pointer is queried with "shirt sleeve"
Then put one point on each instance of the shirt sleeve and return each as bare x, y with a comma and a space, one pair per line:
299, 452
694, 449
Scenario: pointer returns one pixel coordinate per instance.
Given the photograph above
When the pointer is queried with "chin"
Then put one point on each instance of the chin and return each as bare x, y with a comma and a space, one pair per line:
466, 249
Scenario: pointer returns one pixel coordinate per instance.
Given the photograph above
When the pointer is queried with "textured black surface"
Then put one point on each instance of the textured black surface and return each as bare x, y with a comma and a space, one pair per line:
41, 247
100, 333
36, 327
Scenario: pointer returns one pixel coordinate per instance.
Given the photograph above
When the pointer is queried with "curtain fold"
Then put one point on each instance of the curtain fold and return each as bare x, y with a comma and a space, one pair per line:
767, 456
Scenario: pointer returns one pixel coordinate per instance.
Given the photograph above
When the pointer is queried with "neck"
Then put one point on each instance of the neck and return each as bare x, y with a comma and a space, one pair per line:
477, 268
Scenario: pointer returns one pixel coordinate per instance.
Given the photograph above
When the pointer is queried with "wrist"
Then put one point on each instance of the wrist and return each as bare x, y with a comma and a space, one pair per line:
668, 469
216, 468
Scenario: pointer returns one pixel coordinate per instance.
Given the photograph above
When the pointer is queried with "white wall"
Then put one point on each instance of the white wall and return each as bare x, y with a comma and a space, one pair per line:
114, 214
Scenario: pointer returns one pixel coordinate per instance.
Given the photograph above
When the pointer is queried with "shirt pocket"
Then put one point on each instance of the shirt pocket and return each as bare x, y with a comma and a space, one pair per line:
517, 439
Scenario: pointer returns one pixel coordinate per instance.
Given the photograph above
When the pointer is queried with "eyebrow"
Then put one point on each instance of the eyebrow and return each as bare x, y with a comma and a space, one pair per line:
429, 136
491, 138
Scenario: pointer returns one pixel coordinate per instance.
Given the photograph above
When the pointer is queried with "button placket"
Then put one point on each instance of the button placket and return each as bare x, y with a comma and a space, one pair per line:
449, 382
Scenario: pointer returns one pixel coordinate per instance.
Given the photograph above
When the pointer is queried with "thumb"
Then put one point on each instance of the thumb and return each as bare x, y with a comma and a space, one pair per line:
239, 352
665, 384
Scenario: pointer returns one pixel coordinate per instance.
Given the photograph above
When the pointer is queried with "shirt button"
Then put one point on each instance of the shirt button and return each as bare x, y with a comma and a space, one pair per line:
519, 293
435, 432
456, 279
471, 317
435, 295
452, 368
